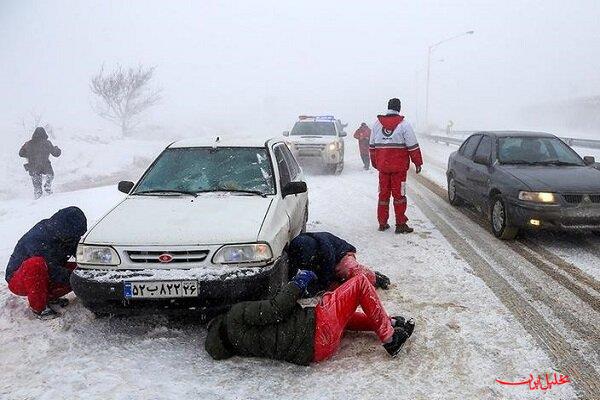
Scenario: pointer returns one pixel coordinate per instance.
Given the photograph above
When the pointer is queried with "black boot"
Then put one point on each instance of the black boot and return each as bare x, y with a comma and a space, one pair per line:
404, 229
381, 281
401, 322
46, 314
384, 227
398, 340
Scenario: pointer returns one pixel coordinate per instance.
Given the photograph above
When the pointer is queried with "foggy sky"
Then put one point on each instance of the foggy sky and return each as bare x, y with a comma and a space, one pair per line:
258, 64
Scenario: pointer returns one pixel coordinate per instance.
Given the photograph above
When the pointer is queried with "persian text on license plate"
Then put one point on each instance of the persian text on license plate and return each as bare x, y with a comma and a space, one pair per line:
160, 289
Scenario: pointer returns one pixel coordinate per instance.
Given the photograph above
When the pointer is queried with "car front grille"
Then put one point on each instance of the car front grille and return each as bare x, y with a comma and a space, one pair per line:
177, 257
578, 198
310, 147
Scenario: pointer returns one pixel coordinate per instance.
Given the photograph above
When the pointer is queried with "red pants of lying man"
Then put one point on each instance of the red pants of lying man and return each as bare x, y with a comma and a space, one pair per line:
281, 329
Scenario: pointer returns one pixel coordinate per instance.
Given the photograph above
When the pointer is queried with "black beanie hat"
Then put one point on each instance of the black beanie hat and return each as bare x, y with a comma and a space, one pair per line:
394, 104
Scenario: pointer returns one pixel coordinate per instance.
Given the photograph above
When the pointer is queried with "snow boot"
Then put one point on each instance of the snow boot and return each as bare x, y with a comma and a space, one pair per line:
46, 314
398, 340
404, 229
381, 281
384, 227
401, 322
61, 302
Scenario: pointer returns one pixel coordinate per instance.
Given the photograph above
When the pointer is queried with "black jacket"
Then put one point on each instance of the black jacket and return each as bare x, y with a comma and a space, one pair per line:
55, 239
38, 151
277, 328
319, 252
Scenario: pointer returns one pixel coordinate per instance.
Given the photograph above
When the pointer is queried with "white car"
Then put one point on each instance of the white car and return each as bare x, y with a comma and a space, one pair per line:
318, 138
207, 225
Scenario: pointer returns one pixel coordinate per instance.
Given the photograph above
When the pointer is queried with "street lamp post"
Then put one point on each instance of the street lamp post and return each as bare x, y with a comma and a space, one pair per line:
430, 50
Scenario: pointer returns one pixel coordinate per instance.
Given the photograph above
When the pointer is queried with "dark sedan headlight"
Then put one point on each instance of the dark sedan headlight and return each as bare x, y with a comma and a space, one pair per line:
538, 197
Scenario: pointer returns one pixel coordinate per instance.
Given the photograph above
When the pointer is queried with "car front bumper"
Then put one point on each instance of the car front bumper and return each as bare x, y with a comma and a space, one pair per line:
555, 217
326, 156
102, 290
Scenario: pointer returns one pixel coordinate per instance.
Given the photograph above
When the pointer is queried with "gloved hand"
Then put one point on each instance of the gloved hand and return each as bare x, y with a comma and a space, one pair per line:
418, 169
382, 281
303, 278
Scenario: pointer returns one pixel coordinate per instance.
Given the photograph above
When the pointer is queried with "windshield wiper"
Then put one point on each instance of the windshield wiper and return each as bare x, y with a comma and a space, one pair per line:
520, 162
158, 191
558, 162
261, 194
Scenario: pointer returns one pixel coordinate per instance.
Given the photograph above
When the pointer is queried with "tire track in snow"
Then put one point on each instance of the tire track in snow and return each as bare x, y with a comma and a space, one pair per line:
560, 350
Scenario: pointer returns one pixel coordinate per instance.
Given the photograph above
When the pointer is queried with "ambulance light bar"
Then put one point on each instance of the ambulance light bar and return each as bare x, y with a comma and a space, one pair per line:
316, 117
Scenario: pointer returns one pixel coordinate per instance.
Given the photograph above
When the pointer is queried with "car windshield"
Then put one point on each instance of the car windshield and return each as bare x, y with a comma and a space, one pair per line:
206, 169
536, 151
313, 129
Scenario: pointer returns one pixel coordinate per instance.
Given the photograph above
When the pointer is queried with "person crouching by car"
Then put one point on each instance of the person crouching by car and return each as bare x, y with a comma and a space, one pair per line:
332, 259
281, 329
363, 135
38, 151
38, 267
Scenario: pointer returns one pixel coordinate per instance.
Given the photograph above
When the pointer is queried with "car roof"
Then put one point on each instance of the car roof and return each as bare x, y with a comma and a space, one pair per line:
225, 141
515, 133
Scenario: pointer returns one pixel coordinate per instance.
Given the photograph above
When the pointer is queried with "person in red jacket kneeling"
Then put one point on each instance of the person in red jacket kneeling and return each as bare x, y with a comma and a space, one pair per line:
393, 146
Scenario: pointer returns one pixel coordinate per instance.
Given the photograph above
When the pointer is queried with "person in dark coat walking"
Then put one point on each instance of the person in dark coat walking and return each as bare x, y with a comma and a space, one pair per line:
38, 267
363, 135
281, 329
332, 259
37, 151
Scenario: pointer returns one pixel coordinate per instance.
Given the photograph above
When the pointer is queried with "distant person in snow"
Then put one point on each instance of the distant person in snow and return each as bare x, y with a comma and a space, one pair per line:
281, 329
37, 151
332, 259
38, 267
363, 134
393, 146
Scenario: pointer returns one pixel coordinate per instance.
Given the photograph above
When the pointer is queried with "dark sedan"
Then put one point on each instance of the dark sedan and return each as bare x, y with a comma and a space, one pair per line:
525, 180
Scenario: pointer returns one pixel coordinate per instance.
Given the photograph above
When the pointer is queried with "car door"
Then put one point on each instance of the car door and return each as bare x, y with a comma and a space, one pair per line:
301, 199
479, 174
462, 167
290, 202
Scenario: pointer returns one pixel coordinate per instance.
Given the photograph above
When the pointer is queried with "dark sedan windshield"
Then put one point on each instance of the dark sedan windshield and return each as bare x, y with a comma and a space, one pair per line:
313, 129
536, 151
206, 169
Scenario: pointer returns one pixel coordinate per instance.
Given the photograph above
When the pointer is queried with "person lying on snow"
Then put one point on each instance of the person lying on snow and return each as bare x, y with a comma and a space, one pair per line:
281, 329
332, 259
38, 266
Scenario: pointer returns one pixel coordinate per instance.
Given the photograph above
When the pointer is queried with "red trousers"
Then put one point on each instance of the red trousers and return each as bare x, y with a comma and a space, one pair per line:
392, 185
32, 280
349, 267
337, 312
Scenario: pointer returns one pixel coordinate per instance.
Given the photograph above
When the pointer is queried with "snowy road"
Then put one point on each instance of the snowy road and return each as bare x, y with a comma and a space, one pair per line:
485, 310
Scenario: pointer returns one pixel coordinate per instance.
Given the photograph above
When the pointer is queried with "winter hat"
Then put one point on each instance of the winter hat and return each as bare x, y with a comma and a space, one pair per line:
69, 223
39, 133
394, 104
303, 250
217, 343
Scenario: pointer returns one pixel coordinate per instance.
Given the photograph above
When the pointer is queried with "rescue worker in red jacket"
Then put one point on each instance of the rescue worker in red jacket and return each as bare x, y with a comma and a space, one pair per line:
363, 135
393, 146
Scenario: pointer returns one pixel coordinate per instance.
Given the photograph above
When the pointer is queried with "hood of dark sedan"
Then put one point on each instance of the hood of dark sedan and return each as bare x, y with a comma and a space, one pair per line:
561, 179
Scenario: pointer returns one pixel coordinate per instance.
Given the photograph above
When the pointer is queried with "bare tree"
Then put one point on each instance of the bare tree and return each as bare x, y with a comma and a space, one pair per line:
124, 94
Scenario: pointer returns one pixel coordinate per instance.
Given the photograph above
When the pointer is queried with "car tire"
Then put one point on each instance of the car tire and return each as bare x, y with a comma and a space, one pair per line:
305, 222
280, 278
501, 227
340, 168
453, 198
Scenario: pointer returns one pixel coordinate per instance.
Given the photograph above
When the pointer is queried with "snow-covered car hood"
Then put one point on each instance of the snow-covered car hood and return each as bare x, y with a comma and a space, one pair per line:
561, 179
181, 220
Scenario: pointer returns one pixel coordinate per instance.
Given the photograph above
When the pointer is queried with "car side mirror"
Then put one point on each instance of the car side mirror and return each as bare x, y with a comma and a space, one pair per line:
589, 160
480, 159
294, 188
343, 134
125, 186
286, 133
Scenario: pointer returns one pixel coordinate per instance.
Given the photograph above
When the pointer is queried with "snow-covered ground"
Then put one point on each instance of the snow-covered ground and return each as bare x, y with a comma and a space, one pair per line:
465, 337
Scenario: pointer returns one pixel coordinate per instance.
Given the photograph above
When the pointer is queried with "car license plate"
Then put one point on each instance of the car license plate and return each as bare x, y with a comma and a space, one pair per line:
160, 289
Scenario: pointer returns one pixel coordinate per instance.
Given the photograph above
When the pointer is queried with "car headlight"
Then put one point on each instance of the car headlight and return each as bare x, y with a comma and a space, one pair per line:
537, 197
243, 254
97, 255
332, 146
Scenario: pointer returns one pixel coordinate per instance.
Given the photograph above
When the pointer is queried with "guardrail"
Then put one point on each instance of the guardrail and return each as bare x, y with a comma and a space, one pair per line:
575, 142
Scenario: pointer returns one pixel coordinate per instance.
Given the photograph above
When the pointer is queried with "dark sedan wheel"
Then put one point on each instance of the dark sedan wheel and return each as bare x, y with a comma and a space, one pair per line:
499, 220
453, 198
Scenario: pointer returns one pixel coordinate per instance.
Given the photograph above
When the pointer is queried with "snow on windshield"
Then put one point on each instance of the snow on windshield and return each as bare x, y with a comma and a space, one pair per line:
210, 169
